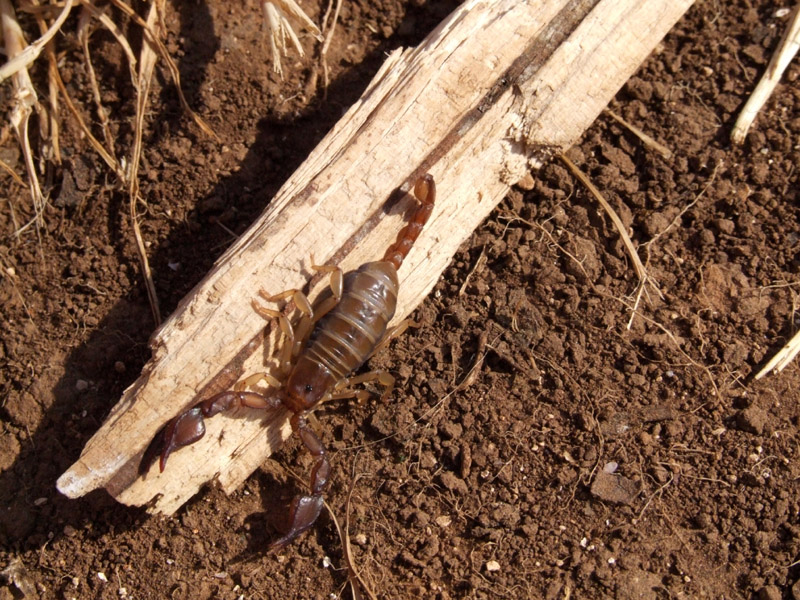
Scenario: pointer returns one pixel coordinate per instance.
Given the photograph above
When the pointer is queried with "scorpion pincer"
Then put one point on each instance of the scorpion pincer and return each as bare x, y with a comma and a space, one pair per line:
325, 346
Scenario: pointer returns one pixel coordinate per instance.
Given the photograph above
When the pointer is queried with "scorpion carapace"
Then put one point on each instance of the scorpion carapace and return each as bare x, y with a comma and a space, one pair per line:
321, 350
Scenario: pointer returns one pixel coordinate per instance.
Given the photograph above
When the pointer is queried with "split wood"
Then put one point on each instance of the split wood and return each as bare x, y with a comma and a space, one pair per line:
496, 89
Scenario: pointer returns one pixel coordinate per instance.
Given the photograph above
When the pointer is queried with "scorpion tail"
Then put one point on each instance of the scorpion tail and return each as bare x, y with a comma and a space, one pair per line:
425, 193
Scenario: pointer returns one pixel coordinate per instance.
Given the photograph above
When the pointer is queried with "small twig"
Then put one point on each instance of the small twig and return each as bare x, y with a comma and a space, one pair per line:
478, 264
646, 139
784, 53
659, 492
114, 30
685, 209
111, 161
50, 127
161, 50
353, 576
641, 272
25, 98
7, 168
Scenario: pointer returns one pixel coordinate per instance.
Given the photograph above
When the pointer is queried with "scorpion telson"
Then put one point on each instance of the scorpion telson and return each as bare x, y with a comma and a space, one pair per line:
321, 350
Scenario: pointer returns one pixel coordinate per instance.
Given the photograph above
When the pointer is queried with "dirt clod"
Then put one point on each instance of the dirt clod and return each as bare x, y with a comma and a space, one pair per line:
752, 419
614, 488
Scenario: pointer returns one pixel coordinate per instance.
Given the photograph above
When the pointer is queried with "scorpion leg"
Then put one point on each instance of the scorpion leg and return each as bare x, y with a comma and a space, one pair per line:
304, 510
189, 427
297, 335
383, 378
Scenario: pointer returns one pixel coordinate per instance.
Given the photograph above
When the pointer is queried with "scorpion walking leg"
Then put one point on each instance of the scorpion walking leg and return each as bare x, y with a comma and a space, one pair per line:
305, 509
297, 335
384, 378
188, 427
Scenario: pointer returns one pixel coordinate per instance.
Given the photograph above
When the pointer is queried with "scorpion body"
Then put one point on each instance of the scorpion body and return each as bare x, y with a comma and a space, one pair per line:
326, 346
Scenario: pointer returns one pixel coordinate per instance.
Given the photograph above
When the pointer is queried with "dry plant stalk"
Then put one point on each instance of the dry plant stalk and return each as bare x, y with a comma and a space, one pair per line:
22, 59
147, 64
784, 356
641, 271
784, 53
329, 28
646, 139
25, 98
280, 29
497, 88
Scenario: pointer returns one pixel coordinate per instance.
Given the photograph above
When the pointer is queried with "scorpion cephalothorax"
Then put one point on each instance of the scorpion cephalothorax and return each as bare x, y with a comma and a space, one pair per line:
321, 350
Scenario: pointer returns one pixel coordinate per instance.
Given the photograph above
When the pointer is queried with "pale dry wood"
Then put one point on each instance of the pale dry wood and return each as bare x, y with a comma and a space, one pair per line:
497, 88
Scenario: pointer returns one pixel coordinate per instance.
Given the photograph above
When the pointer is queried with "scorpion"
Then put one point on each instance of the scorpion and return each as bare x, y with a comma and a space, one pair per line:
321, 351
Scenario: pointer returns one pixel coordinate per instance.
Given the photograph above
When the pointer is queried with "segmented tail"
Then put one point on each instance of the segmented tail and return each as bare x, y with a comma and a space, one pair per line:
425, 193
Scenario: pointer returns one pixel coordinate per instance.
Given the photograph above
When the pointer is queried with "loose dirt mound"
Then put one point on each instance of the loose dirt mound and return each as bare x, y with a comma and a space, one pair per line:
534, 446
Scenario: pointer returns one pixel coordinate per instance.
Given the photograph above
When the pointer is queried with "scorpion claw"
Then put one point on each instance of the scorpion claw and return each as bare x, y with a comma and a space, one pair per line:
183, 430
302, 514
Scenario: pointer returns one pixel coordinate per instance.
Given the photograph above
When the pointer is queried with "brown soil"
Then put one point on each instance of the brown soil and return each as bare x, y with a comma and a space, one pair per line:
492, 473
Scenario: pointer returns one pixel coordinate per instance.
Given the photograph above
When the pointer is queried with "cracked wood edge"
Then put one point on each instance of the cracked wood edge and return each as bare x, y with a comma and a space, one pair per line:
490, 93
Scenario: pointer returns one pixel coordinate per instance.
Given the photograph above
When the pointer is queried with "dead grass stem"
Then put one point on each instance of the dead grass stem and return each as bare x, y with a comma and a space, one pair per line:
25, 101
147, 64
646, 139
784, 53
276, 13
641, 271
23, 58
329, 29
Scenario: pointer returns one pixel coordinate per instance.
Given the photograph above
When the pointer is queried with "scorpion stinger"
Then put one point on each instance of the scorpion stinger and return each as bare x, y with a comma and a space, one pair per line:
346, 331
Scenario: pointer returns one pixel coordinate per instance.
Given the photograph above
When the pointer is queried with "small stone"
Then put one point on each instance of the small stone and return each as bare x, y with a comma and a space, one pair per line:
492, 566
81, 385
443, 521
614, 488
725, 226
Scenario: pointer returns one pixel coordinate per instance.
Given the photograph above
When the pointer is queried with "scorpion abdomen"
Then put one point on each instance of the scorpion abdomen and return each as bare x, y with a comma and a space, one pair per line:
345, 337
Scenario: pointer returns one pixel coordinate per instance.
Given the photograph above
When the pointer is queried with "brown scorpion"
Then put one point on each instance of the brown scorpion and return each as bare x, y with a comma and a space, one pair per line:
326, 346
